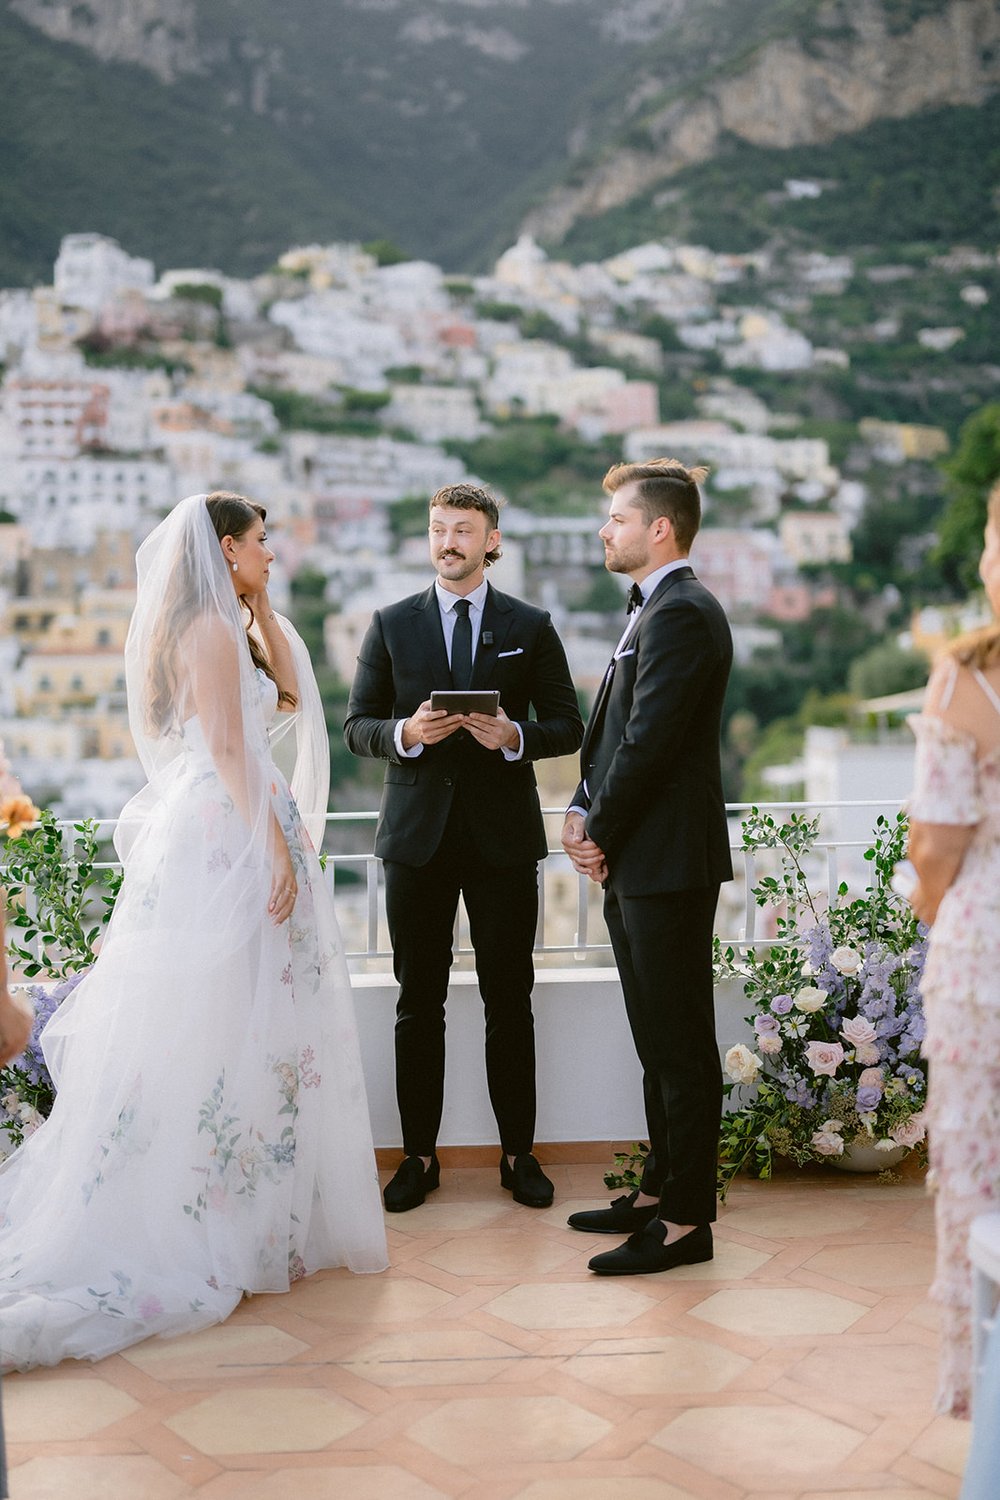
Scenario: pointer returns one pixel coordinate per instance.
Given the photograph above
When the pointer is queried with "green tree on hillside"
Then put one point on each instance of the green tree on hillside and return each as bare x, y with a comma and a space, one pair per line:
971, 473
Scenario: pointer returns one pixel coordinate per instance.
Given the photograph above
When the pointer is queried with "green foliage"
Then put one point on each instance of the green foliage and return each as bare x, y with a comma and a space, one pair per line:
57, 900
405, 374
928, 179
887, 668
526, 450
199, 291
363, 401
386, 252
500, 312
628, 1168
970, 474
102, 354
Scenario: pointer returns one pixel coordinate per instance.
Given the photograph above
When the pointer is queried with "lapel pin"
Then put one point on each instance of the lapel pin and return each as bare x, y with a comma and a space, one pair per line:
487, 637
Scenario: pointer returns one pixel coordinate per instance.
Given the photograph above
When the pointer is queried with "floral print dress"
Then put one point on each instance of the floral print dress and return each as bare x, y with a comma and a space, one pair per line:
961, 992
210, 1134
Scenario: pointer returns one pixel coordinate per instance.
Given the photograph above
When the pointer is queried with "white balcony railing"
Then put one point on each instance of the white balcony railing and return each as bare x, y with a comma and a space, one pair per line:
570, 919
589, 1082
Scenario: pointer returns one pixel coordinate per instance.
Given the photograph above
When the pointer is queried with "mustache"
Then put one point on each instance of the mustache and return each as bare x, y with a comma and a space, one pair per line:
445, 555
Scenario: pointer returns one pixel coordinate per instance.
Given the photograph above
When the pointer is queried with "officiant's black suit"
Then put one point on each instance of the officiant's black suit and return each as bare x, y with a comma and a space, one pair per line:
461, 818
652, 788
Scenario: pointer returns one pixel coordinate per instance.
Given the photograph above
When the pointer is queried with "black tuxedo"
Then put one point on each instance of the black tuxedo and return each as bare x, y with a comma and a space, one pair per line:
459, 818
652, 790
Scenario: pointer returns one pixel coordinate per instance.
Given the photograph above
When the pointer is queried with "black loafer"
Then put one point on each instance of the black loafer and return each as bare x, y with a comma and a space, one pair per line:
621, 1217
526, 1180
645, 1252
410, 1185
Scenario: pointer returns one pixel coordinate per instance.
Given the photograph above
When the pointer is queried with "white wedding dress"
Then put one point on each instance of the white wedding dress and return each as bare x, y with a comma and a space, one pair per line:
210, 1134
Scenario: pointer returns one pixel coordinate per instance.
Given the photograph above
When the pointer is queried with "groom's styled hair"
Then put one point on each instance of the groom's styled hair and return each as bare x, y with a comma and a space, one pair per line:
666, 488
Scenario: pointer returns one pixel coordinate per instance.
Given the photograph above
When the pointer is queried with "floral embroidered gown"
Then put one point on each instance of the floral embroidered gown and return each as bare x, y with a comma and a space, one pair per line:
961, 992
210, 1134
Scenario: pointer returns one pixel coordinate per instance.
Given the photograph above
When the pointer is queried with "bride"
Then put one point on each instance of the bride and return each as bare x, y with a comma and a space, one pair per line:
210, 1133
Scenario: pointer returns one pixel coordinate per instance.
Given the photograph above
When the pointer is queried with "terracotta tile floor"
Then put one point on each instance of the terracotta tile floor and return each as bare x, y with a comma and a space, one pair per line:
489, 1363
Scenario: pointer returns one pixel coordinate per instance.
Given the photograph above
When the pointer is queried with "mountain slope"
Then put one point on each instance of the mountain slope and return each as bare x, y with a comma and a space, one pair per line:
843, 69
221, 131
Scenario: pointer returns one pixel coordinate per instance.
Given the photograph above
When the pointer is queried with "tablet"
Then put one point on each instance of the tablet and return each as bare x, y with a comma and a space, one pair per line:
468, 701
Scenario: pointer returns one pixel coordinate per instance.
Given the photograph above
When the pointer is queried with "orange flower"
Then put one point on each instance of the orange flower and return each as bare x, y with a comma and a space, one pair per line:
16, 814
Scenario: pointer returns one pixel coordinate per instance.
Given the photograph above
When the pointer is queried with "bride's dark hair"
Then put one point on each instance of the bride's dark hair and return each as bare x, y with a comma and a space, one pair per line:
231, 515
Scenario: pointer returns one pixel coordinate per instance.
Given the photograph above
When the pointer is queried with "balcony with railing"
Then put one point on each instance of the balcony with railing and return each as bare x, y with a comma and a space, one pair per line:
588, 1077
488, 1362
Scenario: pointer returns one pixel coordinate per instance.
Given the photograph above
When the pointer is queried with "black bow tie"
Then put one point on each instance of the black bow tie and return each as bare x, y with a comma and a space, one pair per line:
634, 598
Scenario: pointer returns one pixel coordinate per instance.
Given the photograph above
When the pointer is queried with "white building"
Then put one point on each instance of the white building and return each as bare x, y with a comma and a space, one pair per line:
811, 537
435, 412
67, 502
333, 325
91, 269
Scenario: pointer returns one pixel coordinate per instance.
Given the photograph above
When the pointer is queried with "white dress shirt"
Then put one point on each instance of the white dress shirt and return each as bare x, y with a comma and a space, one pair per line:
446, 604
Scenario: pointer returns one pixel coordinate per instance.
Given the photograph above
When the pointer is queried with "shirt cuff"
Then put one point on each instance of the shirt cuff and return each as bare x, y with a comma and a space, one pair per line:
575, 808
519, 752
397, 740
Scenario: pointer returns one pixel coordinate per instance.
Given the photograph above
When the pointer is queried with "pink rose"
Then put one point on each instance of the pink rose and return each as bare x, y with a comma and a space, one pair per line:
828, 1143
769, 1044
824, 1057
858, 1031
872, 1078
910, 1132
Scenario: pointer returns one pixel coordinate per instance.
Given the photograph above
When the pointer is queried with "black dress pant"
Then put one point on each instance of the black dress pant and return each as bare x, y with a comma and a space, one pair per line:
502, 905
663, 949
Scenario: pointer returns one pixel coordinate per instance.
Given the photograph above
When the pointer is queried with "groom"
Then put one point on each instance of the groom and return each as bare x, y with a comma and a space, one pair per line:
648, 821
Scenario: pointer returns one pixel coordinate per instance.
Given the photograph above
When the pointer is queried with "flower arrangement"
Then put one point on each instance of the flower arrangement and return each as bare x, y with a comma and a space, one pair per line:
58, 902
837, 1016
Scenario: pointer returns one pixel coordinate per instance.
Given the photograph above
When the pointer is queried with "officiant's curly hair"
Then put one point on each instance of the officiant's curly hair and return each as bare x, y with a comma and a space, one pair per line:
666, 488
471, 497
231, 515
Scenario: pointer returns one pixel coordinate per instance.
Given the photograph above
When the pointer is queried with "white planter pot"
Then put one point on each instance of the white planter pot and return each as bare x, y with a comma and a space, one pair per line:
860, 1156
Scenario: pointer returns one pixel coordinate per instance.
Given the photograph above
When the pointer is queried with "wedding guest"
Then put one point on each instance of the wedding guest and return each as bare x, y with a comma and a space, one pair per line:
955, 847
210, 1134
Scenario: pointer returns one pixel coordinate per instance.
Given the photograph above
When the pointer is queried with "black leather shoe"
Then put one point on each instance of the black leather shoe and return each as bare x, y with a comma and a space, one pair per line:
622, 1217
644, 1251
526, 1180
411, 1184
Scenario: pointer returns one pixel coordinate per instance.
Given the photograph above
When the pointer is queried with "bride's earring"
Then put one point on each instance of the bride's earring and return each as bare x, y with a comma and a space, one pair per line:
236, 567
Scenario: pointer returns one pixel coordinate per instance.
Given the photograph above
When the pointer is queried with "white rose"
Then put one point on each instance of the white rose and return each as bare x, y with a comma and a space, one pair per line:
886, 1145
742, 1065
832, 1125
867, 1054
846, 960
810, 999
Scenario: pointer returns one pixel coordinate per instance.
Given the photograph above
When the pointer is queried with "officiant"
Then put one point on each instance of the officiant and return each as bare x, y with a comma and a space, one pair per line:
460, 815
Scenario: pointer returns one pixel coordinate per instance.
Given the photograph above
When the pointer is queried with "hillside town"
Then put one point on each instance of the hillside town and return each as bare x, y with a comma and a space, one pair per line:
340, 389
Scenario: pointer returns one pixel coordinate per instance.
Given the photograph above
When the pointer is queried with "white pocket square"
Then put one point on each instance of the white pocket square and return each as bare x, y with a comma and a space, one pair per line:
517, 651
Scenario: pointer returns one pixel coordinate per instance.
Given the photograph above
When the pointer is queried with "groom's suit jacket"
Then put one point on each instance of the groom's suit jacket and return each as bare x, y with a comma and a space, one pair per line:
652, 778
403, 659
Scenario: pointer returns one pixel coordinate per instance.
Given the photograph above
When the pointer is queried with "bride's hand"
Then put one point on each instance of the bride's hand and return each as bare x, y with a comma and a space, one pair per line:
284, 888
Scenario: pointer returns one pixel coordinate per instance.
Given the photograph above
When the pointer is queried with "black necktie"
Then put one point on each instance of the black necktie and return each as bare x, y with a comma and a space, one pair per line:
634, 598
461, 646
